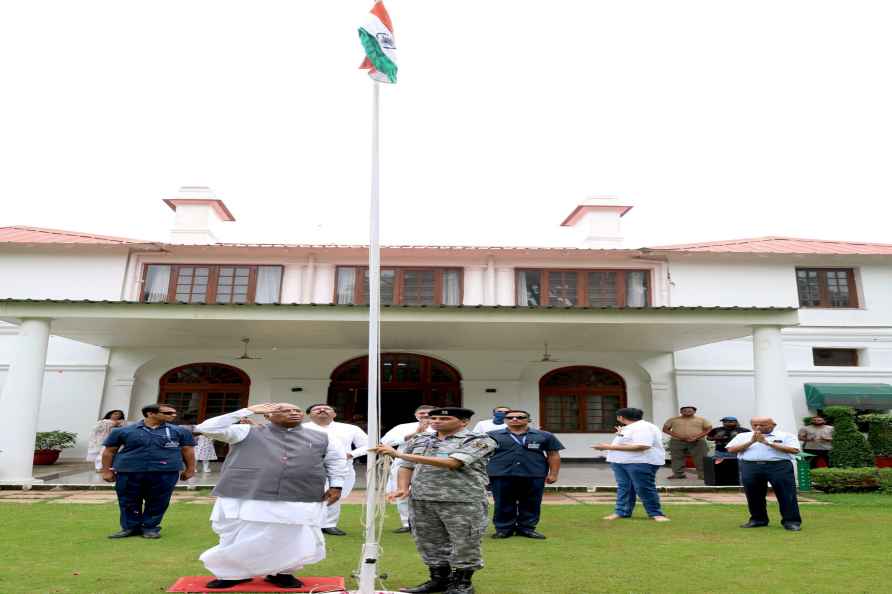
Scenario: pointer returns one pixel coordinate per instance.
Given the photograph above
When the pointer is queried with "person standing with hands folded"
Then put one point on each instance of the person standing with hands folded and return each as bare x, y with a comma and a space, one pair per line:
768, 456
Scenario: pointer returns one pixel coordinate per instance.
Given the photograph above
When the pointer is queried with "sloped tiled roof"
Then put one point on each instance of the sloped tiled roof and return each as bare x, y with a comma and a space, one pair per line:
24, 234
781, 245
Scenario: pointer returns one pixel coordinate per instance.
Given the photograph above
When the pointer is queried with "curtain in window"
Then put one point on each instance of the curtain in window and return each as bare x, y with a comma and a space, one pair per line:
157, 283
451, 288
269, 282
346, 284
636, 289
521, 297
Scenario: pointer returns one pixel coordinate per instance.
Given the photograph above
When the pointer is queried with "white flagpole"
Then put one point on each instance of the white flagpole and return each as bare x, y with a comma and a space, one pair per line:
369, 563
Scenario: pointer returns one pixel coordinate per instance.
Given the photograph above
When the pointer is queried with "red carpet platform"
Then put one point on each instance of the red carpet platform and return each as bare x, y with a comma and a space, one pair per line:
316, 585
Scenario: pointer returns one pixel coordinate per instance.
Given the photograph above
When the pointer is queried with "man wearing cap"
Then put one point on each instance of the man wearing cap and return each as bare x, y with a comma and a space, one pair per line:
722, 435
444, 475
686, 431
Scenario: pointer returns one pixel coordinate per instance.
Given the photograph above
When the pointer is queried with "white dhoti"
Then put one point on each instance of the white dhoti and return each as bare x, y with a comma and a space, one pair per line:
333, 512
264, 537
402, 505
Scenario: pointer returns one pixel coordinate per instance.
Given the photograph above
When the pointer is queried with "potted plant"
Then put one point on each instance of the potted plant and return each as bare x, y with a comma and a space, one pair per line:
880, 437
49, 444
850, 448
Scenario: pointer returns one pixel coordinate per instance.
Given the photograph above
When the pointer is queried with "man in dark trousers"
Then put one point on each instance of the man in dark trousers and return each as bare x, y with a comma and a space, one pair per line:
767, 456
524, 462
145, 460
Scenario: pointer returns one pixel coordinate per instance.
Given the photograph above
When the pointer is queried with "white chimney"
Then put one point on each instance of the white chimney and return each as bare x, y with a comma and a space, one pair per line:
597, 221
198, 214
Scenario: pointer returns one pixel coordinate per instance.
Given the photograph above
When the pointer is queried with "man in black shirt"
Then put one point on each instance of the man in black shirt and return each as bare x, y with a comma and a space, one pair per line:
722, 435
524, 462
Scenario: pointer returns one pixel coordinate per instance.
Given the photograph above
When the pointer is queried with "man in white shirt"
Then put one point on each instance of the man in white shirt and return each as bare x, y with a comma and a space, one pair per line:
495, 423
352, 440
634, 456
768, 456
271, 496
397, 437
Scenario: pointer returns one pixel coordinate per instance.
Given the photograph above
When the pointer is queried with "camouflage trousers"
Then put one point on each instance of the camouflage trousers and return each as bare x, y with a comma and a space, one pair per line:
448, 532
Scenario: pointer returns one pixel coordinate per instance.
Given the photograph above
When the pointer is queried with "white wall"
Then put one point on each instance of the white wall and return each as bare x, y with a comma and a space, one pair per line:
40, 273
703, 282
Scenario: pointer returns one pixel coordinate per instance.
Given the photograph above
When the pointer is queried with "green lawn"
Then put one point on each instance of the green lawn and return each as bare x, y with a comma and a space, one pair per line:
844, 547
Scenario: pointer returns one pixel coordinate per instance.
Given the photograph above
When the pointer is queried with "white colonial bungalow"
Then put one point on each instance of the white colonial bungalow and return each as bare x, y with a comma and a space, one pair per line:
92, 323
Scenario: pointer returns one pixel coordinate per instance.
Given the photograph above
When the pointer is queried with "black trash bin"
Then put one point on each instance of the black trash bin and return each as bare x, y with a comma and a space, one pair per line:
720, 471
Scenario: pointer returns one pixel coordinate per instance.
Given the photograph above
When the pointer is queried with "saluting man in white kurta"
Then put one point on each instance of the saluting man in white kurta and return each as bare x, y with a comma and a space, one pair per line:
271, 496
352, 440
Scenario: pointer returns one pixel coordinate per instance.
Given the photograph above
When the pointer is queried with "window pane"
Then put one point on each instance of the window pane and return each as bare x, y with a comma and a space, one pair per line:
187, 405
388, 281
809, 292
269, 284
157, 283
346, 289
600, 413
562, 412
562, 288
418, 287
528, 288
835, 357
451, 288
602, 289
636, 288
838, 288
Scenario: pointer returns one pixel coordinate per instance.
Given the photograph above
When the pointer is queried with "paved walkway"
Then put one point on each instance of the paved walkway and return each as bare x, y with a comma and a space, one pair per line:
62, 496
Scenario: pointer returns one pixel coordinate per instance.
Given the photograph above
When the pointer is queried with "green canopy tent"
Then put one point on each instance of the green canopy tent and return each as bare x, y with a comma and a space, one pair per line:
860, 396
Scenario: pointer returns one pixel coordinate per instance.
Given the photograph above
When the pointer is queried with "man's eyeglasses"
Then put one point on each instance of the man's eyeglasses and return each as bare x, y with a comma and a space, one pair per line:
515, 418
166, 412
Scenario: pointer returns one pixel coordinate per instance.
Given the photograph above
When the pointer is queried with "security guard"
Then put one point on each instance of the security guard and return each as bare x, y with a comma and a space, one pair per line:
447, 501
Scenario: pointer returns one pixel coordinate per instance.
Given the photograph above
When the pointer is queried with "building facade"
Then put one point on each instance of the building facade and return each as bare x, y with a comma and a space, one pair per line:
92, 323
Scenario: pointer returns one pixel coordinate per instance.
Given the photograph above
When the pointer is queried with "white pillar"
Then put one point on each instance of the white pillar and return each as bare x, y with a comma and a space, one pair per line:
664, 394
505, 286
770, 374
324, 285
20, 402
309, 279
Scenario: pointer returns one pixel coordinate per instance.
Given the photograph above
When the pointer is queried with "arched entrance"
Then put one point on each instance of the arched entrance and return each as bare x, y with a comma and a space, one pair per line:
407, 381
200, 391
580, 399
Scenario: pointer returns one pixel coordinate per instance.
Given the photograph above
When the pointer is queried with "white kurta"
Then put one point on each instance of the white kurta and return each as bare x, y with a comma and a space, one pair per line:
396, 438
354, 442
265, 537
487, 425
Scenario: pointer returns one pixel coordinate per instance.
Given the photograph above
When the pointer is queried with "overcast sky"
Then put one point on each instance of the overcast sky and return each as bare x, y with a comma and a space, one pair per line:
715, 119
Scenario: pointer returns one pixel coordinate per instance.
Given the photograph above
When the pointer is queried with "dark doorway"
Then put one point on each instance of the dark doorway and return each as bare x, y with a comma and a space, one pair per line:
407, 381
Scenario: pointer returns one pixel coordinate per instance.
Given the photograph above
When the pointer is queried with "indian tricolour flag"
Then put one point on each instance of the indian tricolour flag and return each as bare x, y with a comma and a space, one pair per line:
376, 35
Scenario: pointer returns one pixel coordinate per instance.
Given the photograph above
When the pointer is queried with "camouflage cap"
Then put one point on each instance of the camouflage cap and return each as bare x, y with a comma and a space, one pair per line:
451, 411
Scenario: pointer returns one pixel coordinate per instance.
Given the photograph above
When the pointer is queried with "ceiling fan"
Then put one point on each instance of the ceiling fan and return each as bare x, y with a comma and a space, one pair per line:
245, 356
546, 357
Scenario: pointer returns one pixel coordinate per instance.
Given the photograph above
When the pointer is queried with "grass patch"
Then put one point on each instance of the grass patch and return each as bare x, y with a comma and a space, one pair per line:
63, 549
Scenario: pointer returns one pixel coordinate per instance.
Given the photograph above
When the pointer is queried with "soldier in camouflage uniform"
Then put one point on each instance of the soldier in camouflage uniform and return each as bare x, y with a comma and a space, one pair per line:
447, 499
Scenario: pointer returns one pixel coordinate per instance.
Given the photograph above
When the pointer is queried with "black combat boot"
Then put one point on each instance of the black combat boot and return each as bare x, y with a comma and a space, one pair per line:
461, 582
441, 579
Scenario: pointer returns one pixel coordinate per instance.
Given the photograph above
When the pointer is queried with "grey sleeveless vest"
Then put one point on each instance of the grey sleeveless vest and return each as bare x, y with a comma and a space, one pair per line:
274, 464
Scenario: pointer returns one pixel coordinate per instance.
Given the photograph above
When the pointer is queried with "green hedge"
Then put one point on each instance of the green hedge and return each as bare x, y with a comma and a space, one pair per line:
850, 448
848, 480
880, 434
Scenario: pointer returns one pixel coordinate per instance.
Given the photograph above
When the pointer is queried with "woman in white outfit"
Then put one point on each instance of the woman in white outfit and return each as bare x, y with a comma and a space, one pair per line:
112, 420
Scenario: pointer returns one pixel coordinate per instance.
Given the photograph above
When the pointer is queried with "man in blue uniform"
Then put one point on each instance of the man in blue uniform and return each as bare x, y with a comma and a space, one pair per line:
525, 460
145, 460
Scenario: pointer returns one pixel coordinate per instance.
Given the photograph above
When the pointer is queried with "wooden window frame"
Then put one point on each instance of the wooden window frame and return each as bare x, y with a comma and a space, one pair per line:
581, 393
203, 388
855, 352
824, 291
360, 298
213, 278
582, 284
